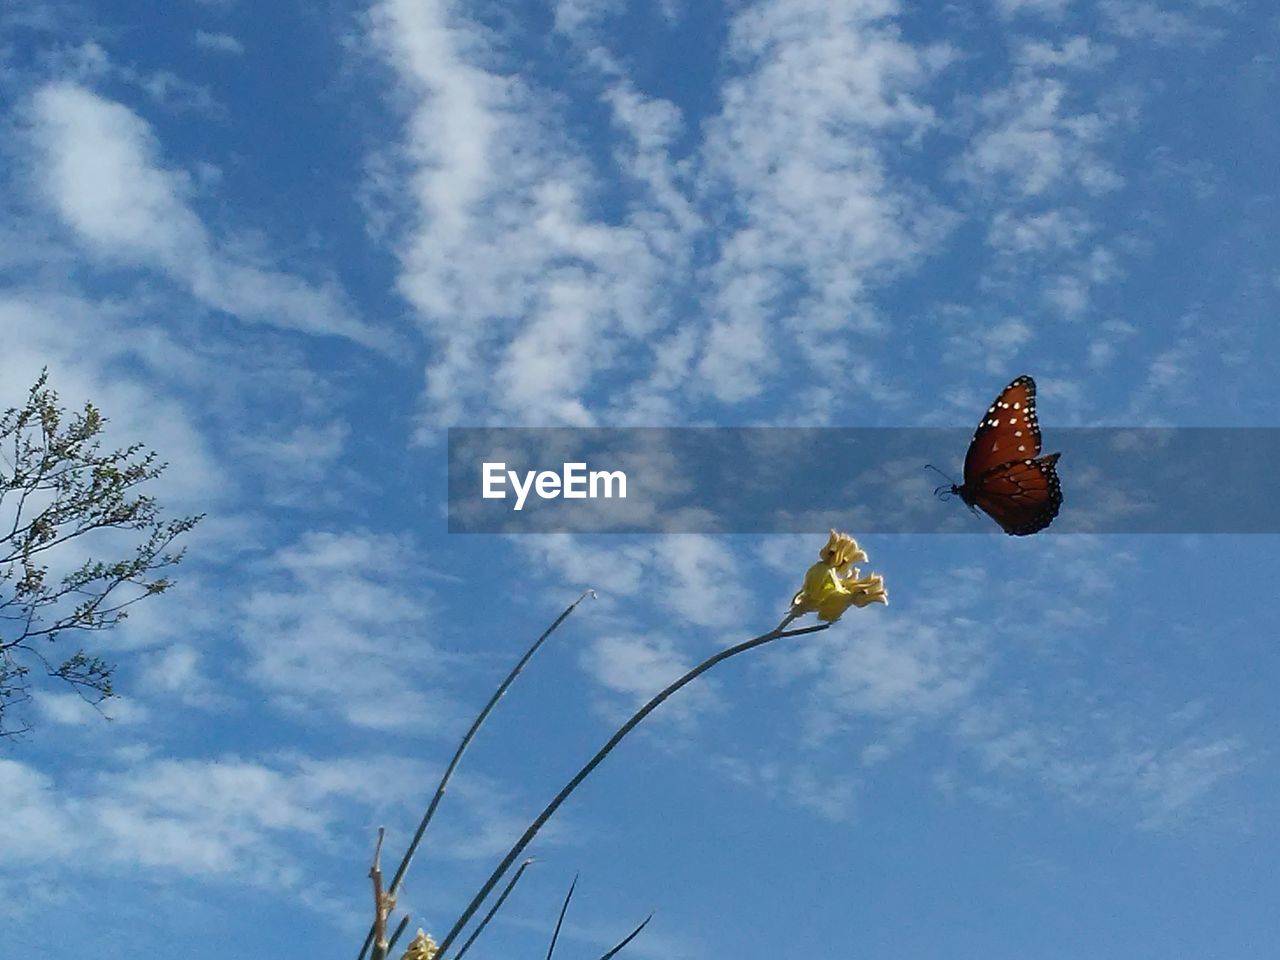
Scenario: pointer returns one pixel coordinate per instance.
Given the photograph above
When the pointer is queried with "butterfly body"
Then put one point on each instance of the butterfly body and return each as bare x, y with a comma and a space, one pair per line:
1004, 475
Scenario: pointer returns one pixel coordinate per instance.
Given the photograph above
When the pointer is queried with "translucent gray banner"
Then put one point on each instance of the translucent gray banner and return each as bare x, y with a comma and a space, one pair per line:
870, 480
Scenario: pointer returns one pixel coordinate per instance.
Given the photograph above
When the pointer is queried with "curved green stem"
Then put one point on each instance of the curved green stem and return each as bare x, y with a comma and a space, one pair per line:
494, 909
395, 937
462, 748
629, 937
777, 633
560, 920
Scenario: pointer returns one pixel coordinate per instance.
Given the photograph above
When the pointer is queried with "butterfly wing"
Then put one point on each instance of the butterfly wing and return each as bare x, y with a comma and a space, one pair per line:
1022, 496
1009, 432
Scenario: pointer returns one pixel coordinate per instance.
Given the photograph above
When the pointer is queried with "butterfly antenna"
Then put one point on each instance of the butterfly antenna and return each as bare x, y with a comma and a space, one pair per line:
942, 492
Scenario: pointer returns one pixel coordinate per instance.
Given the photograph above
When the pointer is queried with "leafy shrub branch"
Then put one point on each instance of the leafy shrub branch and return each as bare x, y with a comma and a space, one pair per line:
62, 497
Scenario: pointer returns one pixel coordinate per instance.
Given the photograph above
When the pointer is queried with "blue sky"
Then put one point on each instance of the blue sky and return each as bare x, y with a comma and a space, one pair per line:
288, 245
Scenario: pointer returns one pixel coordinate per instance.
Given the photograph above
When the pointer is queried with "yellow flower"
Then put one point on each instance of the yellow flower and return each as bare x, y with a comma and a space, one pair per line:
422, 947
841, 551
833, 584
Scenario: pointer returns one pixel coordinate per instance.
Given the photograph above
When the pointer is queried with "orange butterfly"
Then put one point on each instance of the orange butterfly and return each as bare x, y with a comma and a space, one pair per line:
1004, 475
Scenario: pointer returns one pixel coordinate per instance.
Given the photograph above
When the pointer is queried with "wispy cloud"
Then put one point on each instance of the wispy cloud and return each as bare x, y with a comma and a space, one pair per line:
703, 583
993, 346
338, 625
508, 239
1052, 9
636, 668
1032, 141
1076, 52
796, 783
49, 329
179, 671
98, 165
904, 671
510, 272
1145, 20
72, 710
224, 818
223, 43
89, 64
800, 152
1047, 231
1160, 779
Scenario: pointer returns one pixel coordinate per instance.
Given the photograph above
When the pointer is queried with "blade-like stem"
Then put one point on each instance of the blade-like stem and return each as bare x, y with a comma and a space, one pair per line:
404, 922
560, 920
462, 748
629, 937
515, 878
777, 633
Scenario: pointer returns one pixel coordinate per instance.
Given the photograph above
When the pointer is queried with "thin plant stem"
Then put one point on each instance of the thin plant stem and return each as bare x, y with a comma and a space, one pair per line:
395, 937
515, 878
777, 633
462, 748
629, 937
560, 920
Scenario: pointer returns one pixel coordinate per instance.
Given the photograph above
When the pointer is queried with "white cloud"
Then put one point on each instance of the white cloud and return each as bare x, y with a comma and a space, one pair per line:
1049, 231
535, 302
214, 42
801, 151
992, 347
1163, 778
895, 670
51, 330
526, 296
300, 465
338, 624
179, 671
1145, 20
89, 64
639, 667
1045, 8
291, 825
1069, 292
69, 709
796, 783
1075, 52
226, 817
703, 582
97, 164
1031, 142
650, 127
619, 570
36, 825
575, 16
1174, 782
1172, 370
1037, 156
1106, 343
